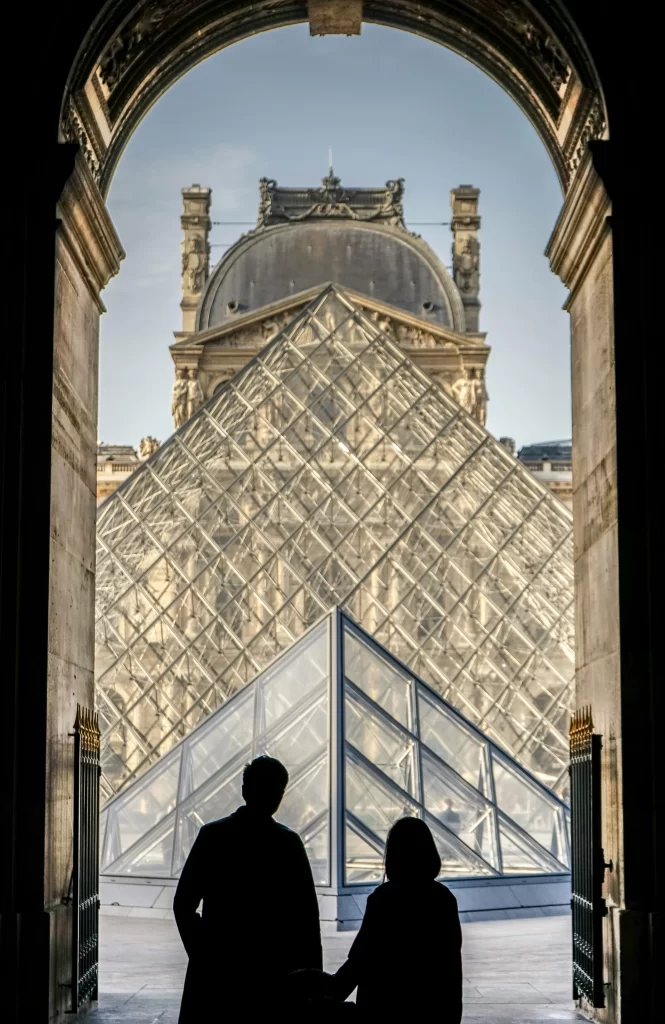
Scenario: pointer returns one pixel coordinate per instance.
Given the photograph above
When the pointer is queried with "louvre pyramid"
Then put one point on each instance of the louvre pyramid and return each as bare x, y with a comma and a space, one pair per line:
332, 471
365, 743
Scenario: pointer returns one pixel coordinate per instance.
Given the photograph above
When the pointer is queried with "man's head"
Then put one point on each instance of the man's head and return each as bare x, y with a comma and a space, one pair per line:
263, 784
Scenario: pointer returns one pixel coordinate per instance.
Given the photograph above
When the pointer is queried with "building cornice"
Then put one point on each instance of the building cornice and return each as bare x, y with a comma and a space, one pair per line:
582, 226
217, 334
87, 231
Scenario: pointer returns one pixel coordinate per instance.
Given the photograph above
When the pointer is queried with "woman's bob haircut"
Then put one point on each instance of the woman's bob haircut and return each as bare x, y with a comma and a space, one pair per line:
411, 854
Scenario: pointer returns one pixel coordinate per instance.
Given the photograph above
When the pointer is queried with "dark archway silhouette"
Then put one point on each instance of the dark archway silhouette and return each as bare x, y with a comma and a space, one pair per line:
89, 72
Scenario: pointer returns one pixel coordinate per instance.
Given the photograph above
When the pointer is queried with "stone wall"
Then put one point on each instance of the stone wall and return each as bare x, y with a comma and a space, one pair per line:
581, 253
87, 254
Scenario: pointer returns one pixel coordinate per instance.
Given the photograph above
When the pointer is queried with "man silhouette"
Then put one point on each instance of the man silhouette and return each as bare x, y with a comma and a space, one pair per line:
260, 916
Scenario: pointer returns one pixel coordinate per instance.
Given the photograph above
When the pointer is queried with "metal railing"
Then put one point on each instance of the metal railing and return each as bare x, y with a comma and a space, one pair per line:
85, 878
587, 860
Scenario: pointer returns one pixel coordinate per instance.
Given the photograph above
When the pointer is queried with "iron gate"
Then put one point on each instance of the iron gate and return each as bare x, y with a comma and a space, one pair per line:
85, 878
587, 860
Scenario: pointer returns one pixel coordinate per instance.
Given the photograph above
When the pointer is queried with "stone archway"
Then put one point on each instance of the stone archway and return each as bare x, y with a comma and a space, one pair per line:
128, 55
136, 50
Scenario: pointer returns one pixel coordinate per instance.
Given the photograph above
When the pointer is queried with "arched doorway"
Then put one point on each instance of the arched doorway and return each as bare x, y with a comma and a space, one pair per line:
126, 59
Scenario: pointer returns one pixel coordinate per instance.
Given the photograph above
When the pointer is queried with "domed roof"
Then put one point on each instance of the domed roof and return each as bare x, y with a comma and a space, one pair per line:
355, 238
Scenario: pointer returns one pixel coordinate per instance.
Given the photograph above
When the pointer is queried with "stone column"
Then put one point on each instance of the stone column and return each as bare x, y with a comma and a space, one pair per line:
465, 225
581, 253
87, 255
196, 224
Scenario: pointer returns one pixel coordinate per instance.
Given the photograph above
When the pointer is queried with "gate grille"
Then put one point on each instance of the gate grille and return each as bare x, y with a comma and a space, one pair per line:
587, 860
85, 923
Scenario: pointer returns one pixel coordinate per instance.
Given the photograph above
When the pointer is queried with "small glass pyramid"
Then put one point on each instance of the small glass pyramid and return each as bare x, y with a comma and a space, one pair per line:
365, 742
332, 471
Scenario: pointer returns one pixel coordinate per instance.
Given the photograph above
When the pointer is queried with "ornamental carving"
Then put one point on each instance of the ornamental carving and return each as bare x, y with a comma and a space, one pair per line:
545, 51
195, 398
594, 127
466, 267
470, 393
148, 446
179, 397
533, 38
135, 38
408, 335
74, 131
280, 205
194, 264
255, 336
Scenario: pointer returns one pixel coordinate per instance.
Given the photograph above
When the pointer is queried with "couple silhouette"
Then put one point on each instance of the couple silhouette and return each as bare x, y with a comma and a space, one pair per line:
255, 948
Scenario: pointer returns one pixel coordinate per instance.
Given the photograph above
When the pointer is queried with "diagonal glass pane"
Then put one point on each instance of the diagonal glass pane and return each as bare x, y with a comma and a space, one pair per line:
383, 683
460, 809
392, 751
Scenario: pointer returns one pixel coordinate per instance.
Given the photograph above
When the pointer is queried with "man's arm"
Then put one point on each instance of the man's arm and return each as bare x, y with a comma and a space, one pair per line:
306, 920
189, 894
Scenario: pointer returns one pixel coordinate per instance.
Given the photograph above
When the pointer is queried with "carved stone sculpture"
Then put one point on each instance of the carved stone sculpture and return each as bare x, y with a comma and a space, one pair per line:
194, 262
148, 446
266, 186
383, 323
479, 399
463, 394
179, 398
465, 267
195, 398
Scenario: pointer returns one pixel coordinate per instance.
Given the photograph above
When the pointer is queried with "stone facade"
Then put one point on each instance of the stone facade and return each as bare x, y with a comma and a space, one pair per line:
551, 463
206, 358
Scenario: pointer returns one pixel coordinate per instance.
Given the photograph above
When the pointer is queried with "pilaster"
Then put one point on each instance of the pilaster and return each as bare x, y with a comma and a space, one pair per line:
465, 225
581, 253
196, 224
87, 254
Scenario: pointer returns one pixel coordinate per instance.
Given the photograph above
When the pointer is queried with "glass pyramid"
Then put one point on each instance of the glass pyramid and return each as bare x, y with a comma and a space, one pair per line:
332, 471
365, 742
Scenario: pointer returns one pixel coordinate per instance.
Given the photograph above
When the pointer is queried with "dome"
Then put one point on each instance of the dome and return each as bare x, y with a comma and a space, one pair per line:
352, 238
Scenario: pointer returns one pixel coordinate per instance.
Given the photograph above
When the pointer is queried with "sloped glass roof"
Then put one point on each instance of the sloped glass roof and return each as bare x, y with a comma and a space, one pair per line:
365, 742
331, 470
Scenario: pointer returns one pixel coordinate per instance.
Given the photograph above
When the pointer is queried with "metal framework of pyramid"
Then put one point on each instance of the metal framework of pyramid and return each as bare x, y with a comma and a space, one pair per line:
333, 471
365, 743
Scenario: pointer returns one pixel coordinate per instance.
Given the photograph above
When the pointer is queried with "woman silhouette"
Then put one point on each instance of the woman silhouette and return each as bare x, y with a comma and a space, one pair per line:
407, 956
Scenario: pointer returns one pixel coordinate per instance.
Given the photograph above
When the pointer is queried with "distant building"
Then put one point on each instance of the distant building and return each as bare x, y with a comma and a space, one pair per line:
551, 462
116, 462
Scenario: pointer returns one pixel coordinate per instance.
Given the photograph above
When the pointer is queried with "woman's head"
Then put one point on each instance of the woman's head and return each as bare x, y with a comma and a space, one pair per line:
411, 854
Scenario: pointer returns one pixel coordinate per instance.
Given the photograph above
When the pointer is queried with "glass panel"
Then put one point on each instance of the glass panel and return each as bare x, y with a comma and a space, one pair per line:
456, 745
391, 750
295, 675
527, 805
306, 798
387, 687
218, 742
373, 801
364, 860
147, 803
520, 855
305, 736
217, 800
152, 856
457, 861
460, 809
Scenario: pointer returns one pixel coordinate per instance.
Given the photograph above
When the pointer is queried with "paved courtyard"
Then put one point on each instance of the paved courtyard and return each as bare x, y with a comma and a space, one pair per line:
515, 971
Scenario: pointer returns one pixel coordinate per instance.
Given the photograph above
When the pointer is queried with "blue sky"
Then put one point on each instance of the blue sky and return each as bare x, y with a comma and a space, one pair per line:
389, 105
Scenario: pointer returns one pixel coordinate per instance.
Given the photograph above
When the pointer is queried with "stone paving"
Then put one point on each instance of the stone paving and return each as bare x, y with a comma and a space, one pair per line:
515, 971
